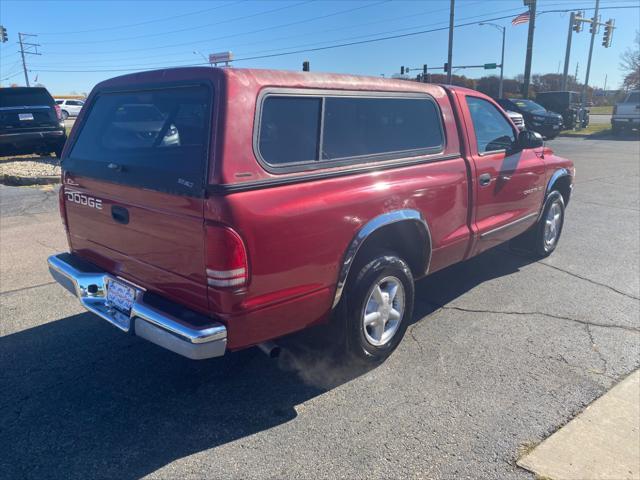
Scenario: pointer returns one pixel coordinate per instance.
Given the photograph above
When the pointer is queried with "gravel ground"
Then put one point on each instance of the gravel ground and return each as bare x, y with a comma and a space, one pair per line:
29, 166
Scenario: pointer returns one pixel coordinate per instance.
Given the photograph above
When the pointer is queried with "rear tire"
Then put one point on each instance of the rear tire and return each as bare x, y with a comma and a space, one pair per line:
64, 114
378, 307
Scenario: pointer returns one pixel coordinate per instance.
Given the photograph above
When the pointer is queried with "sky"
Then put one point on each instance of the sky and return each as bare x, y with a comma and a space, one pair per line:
84, 42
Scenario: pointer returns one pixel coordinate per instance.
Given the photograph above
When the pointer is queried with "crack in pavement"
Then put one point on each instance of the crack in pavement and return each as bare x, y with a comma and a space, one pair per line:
595, 348
594, 282
575, 275
550, 315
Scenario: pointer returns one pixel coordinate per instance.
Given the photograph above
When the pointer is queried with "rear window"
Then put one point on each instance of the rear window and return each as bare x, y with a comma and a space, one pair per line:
154, 139
20, 97
311, 130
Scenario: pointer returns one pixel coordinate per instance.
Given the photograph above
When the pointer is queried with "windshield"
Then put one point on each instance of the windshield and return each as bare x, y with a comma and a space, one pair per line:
634, 97
528, 105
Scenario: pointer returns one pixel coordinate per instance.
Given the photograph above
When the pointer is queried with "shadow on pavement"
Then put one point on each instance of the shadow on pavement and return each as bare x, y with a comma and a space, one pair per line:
82, 400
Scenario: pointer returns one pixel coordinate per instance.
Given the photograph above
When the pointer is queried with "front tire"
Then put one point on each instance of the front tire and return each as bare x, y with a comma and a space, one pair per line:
379, 305
542, 239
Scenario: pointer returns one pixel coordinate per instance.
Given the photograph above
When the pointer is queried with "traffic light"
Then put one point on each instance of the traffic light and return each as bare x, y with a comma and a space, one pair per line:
608, 33
446, 67
424, 69
3, 34
577, 23
305, 66
401, 70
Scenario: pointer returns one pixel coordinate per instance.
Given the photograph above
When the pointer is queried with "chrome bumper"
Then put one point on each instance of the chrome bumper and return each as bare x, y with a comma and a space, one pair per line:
88, 283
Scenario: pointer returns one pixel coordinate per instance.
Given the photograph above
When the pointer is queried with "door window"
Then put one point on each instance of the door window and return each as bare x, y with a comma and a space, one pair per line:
493, 131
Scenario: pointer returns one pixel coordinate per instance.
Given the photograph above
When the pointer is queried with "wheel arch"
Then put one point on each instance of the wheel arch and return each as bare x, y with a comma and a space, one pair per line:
561, 181
397, 229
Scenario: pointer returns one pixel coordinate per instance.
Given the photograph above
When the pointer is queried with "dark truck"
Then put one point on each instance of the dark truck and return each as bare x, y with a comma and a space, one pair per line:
568, 105
30, 122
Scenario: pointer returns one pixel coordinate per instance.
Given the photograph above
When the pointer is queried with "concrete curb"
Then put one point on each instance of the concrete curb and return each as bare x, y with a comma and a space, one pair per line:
20, 181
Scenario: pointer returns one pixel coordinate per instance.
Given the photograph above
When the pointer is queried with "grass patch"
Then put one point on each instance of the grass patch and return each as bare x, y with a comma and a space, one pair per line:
602, 110
526, 448
592, 129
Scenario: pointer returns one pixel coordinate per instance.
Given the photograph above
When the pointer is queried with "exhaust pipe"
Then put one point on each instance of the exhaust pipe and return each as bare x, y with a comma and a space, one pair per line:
270, 349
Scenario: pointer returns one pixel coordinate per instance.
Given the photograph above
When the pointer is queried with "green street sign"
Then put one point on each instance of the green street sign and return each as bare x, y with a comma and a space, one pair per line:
490, 66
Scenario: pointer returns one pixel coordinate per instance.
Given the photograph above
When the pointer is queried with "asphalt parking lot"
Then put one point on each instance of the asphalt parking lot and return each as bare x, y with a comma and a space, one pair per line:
503, 351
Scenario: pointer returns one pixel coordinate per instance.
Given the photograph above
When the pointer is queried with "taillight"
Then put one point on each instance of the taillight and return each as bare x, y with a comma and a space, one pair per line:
226, 258
63, 211
58, 111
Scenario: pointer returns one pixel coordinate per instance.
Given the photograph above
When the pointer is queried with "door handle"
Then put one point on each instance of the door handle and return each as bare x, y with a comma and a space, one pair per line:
484, 179
120, 214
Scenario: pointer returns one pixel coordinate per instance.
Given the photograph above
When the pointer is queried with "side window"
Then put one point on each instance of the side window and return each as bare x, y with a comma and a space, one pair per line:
356, 127
493, 131
59, 102
301, 129
75, 103
290, 129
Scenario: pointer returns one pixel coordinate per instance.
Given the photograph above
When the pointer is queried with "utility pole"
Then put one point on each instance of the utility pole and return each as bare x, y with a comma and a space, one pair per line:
594, 30
450, 55
527, 65
24, 52
572, 23
577, 68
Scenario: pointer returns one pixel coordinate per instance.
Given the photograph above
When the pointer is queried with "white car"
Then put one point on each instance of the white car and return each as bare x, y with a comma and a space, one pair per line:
626, 115
69, 107
516, 118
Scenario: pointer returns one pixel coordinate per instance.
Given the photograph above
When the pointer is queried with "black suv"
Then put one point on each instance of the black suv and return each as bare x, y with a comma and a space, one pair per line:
30, 122
536, 117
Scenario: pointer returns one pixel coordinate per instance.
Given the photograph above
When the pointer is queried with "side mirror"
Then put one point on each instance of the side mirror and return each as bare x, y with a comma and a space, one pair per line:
529, 139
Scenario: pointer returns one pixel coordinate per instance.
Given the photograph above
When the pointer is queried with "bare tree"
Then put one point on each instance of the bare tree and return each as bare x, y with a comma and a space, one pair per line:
630, 65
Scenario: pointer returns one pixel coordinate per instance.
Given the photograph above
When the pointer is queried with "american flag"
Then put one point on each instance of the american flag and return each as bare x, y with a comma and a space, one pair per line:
522, 18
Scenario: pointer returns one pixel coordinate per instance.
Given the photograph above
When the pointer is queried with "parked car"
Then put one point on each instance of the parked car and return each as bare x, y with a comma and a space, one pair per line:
626, 115
567, 104
517, 119
30, 122
536, 117
69, 107
291, 199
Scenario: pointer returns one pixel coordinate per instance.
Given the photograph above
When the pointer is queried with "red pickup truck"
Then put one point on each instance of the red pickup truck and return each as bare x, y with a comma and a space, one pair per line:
210, 209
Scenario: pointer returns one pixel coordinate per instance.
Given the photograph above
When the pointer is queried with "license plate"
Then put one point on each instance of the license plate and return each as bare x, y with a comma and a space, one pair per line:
120, 296
25, 116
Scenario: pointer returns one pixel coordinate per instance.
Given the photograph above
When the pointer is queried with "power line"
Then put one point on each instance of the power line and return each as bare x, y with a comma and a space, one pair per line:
191, 43
163, 19
188, 29
306, 44
328, 47
262, 41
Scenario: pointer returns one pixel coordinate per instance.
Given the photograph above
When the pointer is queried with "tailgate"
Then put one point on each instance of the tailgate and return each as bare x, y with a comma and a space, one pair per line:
134, 183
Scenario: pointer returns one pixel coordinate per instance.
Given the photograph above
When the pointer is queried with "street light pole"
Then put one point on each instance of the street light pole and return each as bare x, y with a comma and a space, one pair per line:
594, 29
503, 29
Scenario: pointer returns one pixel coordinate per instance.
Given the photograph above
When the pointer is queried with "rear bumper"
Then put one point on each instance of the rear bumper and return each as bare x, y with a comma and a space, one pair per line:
625, 121
27, 140
161, 321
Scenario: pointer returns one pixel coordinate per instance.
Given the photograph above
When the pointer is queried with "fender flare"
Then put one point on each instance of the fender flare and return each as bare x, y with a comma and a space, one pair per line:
373, 225
559, 173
